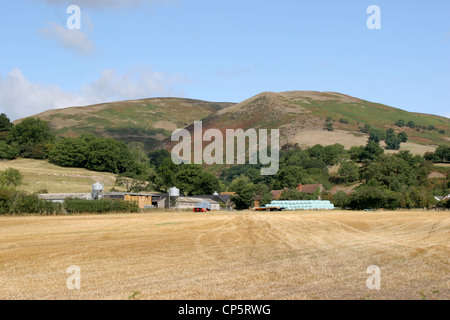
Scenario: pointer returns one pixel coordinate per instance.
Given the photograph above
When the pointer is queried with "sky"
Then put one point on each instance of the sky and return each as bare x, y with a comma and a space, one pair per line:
224, 51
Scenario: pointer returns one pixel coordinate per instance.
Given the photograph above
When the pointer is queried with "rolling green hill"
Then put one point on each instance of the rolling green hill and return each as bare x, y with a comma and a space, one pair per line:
301, 117
145, 121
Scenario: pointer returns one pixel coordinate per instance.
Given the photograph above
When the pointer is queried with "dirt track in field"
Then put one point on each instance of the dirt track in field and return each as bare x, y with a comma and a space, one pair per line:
287, 255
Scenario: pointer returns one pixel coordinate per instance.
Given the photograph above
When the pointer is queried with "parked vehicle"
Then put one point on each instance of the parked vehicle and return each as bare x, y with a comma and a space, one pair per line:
203, 206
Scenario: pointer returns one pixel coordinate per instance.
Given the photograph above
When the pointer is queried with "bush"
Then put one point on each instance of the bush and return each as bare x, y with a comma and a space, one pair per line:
340, 199
367, 197
32, 204
17, 202
8, 152
99, 206
376, 135
6, 200
400, 123
329, 127
403, 136
411, 124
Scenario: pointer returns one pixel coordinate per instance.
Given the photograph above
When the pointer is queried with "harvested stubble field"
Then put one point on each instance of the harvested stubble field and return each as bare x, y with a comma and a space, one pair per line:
287, 255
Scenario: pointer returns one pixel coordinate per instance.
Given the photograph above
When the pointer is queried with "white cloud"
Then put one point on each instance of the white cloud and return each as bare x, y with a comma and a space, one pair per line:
70, 39
20, 97
131, 85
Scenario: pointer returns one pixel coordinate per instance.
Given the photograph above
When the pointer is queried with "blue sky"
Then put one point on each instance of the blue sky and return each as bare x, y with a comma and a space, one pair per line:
222, 51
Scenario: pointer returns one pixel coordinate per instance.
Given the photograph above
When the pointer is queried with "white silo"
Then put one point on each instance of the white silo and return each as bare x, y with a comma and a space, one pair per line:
174, 193
97, 188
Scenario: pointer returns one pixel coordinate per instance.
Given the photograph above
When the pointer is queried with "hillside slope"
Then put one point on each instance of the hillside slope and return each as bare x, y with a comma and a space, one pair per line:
40, 174
146, 121
301, 117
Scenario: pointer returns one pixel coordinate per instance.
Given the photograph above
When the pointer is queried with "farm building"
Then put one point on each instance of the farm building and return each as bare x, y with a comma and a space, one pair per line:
97, 188
310, 188
61, 197
223, 200
144, 200
191, 202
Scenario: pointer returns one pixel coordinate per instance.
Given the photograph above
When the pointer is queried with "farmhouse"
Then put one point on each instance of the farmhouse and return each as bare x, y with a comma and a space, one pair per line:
310, 188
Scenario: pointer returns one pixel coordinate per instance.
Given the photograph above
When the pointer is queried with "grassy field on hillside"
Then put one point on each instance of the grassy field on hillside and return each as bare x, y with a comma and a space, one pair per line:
309, 138
380, 116
245, 255
40, 174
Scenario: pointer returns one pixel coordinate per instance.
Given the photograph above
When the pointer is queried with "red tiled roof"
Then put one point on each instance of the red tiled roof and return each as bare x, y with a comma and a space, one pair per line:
309, 188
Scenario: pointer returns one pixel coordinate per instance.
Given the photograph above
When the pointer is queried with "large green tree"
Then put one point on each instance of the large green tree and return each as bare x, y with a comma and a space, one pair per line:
186, 177
392, 140
157, 157
105, 154
31, 135
248, 193
69, 152
348, 171
290, 176
167, 172
371, 151
206, 184
10, 178
367, 197
5, 123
